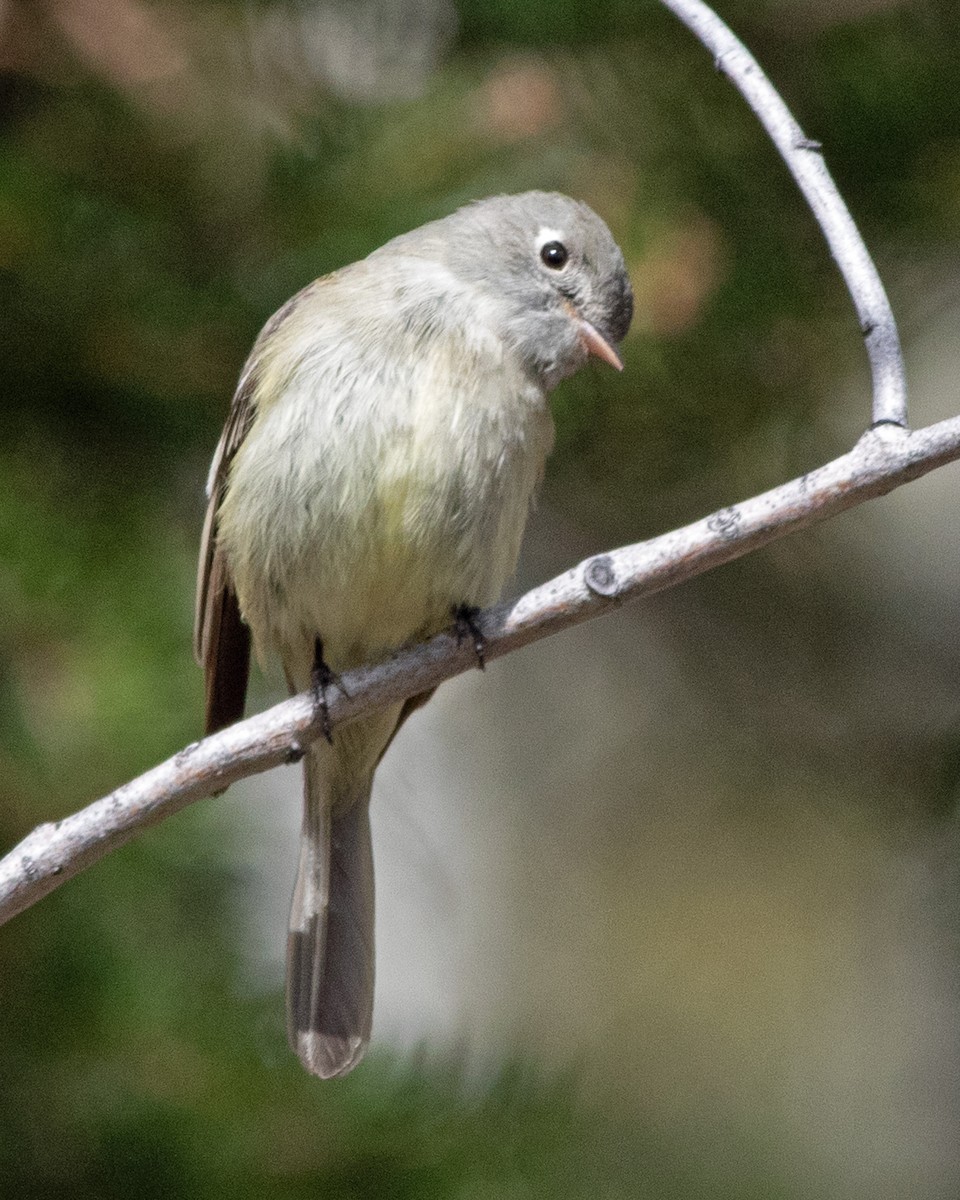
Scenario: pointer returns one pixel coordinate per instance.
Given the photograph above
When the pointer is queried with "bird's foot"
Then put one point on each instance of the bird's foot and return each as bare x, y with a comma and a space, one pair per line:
466, 628
322, 677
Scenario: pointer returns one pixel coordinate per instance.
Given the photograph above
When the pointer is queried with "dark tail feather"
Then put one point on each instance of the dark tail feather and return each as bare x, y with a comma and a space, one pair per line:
330, 944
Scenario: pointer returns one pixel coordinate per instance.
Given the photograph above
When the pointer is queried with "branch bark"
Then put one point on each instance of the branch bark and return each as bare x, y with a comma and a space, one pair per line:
885, 458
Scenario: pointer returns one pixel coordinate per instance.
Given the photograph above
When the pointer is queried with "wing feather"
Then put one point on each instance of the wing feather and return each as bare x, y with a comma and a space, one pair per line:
221, 639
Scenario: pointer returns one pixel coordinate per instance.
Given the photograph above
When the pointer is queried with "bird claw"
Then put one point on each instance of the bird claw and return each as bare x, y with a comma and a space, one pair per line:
466, 628
322, 677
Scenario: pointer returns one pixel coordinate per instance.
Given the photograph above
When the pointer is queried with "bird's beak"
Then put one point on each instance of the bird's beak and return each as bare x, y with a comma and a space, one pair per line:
597, 344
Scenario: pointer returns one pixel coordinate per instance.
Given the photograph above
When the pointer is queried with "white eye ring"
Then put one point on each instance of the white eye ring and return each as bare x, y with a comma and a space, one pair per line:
547, 234
552, 248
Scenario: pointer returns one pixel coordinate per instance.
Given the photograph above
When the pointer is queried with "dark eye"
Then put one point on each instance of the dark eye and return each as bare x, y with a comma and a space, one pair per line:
554, 255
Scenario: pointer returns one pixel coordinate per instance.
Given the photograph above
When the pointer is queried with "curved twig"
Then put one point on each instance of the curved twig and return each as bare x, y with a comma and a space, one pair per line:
804, 158
882, 460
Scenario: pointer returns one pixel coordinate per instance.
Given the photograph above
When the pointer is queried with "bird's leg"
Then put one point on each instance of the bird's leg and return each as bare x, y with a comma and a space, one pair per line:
322, 677
465, 626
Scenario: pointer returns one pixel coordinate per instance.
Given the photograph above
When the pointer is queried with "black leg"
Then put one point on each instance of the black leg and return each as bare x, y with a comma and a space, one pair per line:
322, 677
465, 626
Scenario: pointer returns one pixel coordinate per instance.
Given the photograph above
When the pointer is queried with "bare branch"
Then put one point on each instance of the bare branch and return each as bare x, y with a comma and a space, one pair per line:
804, 158
884, 458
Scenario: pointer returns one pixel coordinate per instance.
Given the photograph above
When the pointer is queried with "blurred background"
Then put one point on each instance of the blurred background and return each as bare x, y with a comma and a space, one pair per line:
668, 904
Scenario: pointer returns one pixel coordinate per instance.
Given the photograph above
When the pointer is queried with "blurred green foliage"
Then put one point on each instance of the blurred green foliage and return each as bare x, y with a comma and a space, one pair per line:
149, 223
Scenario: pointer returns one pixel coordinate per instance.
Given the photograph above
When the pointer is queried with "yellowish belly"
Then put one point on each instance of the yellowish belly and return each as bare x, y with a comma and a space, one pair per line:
373, 551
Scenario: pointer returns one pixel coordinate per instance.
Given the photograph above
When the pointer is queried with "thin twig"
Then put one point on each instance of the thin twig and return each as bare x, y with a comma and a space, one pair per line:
804, 158
884, 458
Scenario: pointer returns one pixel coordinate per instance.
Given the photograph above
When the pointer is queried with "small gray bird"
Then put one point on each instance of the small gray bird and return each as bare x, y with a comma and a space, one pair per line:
384, 445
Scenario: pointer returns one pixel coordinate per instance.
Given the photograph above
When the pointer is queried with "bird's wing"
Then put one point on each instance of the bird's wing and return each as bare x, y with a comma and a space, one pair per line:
221, 639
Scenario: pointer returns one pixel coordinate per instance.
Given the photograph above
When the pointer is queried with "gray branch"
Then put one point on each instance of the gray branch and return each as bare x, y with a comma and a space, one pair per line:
883, 459
804, 158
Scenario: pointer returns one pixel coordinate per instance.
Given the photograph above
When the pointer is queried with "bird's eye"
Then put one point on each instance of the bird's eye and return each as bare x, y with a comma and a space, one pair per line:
554, 255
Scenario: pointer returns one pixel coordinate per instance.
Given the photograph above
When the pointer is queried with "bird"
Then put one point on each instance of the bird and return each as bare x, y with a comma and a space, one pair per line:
384, 446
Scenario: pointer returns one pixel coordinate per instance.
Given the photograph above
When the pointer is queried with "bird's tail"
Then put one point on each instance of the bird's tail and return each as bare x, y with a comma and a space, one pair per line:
330, 944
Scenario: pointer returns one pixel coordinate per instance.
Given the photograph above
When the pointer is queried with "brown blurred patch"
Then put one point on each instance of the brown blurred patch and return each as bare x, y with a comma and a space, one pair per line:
520, 98
122, 40
681, 270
